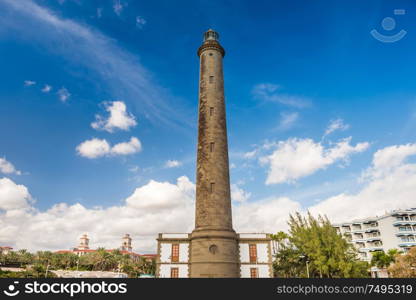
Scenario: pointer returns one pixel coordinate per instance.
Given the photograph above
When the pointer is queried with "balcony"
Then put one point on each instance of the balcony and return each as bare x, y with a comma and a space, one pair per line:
373, 238
374, 248
372, 229
407, 244
406, 233
404, 222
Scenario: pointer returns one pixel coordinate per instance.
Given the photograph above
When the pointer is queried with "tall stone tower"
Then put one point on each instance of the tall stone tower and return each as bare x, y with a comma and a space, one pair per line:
213, 243
83, 242
213, 249
126, 243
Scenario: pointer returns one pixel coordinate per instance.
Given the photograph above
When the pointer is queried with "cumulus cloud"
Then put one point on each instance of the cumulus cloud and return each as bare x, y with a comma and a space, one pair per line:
152, 208
172, 164
63, 94
296, 158
152, 196
270, 92
390, 183
169, 207
46, 89
7, 167
13, 196
95, 148
334, 125
126, 148
268, 215
239, 195
118, 118
29, 82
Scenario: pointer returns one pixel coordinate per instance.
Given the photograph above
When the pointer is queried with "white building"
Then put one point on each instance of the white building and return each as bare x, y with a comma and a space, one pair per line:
255, 253
394, 230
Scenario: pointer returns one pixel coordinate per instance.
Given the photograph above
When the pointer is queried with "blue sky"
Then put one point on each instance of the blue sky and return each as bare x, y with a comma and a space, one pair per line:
292, 70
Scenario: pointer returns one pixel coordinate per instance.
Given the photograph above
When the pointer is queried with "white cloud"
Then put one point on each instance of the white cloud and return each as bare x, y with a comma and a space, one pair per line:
118, 118
169, 207
140, 22
296, 158
29, 82
172, 164
390, 184
118, 7
130, 147
13, 196
334, 125
152, 208
152, 196
239, 195
287, 120
96, 148
93, 148
251, 154
118, 71
63, 94
7, 167
46, 89
268, 215
392, 157
270, 92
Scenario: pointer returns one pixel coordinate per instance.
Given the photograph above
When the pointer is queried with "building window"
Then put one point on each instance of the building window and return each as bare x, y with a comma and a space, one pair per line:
254, 273
211, 147
211, 111
175, 253
174, 272
211, 79
212, 187
252, 250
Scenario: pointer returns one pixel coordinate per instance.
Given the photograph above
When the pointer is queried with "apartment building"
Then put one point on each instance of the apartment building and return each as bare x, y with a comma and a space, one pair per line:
396, 229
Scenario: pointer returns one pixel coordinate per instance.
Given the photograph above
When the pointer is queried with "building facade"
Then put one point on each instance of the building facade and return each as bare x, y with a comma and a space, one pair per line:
213, 249
5, 250
254, 255
394, 230
125, 248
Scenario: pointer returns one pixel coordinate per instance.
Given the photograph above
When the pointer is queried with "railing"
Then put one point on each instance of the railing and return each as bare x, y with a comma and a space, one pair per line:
403, 222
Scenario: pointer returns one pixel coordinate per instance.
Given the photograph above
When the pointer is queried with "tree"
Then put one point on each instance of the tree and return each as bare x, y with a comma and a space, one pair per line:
278, 239
314, 243
382, 260
103, 260
404, 266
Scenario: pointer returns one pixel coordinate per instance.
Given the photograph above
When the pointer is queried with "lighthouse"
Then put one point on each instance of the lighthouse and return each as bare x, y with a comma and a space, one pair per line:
213, 249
